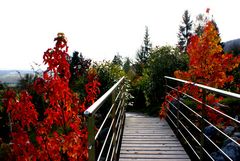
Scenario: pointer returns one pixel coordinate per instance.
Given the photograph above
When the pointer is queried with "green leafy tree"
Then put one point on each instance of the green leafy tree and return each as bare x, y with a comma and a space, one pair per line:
138, 85
148, 89
108, 73
162, 61
185, 31
136, 72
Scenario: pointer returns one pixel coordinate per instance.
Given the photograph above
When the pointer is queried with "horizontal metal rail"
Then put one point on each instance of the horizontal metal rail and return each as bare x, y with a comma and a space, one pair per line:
198, 101
116, 113
179, 119
93, 109
215, 90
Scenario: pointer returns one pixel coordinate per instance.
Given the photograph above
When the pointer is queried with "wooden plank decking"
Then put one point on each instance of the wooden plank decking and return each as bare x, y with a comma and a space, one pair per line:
149, 139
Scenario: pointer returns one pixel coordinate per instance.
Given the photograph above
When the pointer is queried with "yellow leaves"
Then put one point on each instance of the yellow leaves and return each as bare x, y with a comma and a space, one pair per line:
207, 63
210, 39
235, 65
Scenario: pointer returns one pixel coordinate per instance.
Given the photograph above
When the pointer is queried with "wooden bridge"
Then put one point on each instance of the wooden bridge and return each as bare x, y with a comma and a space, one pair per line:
133, 136
149, 139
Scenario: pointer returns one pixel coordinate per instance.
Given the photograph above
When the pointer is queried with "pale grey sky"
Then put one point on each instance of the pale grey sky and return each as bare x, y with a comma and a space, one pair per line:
100, 28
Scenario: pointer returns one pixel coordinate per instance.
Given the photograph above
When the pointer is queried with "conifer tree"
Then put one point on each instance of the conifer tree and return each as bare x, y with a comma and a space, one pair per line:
185, 31
127, 65
117, 60
143, 53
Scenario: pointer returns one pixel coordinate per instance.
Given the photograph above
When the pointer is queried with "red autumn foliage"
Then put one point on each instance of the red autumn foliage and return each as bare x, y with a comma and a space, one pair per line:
61, 134
91, 87
208, 65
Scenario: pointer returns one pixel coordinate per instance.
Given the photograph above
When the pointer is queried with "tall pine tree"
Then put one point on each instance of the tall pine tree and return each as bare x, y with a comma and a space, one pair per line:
201, 21
185, 31
117, 60
127, 64
143, 53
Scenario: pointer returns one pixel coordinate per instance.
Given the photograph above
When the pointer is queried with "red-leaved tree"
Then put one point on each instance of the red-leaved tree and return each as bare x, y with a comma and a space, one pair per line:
208, 65
61, 134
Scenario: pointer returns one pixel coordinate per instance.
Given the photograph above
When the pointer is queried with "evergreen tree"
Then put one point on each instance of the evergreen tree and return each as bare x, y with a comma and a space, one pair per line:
201, 21
127, 65
78, 69
143, 53
78, 64
185, 31
216, 26
26, 82
117, 60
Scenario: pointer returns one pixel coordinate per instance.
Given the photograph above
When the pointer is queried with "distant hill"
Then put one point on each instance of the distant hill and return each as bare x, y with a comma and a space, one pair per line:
12, 76
232, 46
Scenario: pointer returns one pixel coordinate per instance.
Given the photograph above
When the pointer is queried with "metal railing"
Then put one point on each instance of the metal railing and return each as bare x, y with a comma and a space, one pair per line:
191, 123
116, 114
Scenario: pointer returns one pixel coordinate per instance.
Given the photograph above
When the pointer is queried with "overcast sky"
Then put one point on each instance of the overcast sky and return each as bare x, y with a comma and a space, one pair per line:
100, 28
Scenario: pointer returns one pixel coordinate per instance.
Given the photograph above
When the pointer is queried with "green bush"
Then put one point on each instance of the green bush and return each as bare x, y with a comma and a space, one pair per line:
162, 62
108, 73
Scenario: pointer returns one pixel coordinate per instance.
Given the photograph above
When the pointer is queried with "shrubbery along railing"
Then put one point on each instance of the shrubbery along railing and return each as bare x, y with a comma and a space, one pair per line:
206, 140
112, 138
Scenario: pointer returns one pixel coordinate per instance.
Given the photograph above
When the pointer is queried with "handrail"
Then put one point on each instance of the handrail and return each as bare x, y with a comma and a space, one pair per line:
180, 116
215, 90
94, 107
114, 133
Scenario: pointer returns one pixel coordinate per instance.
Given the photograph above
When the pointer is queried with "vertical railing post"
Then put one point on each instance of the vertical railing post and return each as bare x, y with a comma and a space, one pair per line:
165, 79
122, 116
203, 113
124, 94
124, 99
165, 89
177, 105
91, 137
114, 123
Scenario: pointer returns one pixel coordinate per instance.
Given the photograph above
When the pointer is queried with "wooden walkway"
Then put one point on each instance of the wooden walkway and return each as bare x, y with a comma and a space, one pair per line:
149, 139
